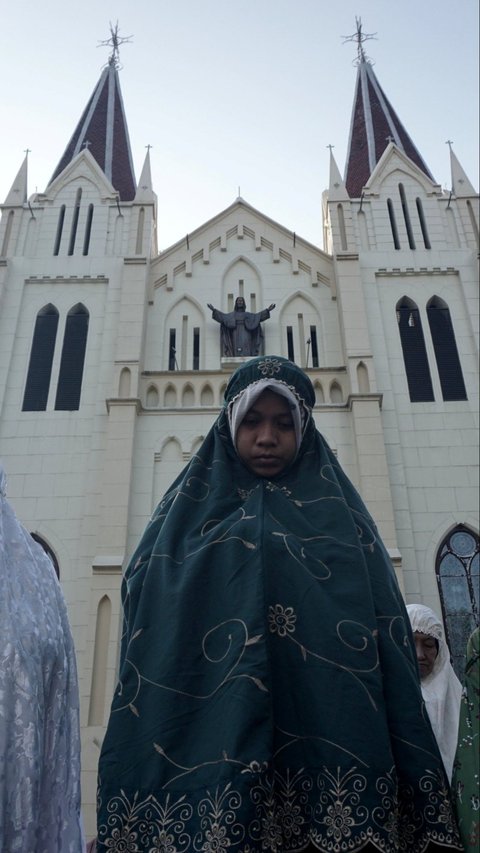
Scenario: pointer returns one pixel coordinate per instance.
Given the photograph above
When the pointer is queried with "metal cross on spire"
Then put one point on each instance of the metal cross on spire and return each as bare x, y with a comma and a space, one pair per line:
114, 42
360, 37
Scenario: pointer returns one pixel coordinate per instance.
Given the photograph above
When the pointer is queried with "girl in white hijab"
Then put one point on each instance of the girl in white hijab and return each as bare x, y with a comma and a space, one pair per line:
441, 688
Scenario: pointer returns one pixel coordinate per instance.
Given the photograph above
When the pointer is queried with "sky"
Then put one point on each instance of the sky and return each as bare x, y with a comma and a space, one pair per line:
238, 97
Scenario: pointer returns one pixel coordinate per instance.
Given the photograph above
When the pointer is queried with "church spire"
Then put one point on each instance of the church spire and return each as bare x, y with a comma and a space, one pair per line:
461, 185
103, 130
18, 191
374, 124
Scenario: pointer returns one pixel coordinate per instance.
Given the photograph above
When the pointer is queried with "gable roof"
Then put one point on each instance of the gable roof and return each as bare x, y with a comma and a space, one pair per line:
103, 130
374, 124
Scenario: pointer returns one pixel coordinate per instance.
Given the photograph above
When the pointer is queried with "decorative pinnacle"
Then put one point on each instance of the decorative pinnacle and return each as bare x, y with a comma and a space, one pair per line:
360, 37
114, 41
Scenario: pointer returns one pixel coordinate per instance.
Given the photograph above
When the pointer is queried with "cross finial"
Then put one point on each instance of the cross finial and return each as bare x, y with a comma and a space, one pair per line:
360, 37
148, 147
86, 144
330, 146
114, 41
449, 142
389, 138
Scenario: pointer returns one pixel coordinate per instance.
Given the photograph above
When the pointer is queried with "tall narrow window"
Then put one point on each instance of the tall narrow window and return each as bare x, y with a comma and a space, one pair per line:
290, 350
406, 216
58, 235
341, 225
457, 569
41, 358
473, 222
414, 352
72, 360
88, 230
140, 225
96, 710
73, 230
196, 348
172, 352
423, 224
393, 223
314, 342
8, 231
446, 353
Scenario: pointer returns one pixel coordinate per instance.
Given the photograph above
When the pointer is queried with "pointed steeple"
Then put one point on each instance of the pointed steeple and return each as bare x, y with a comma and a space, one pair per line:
18, 191
336, 189
461, 185
145, 192
374, 124
103, 130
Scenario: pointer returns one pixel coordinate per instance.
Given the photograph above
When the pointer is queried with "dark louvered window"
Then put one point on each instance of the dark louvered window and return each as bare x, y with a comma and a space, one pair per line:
88, 230
196, 348
313, 338
172, 352
72, 361
406, 216
446, 353
423, 224
73, 230
58, 235
414, 352
290, 350
41, 358
393, 223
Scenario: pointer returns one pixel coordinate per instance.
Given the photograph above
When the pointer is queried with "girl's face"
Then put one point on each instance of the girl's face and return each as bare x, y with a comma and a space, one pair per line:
266, 437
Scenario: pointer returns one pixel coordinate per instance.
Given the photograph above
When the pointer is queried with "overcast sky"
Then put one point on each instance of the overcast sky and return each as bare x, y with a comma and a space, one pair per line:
238, 95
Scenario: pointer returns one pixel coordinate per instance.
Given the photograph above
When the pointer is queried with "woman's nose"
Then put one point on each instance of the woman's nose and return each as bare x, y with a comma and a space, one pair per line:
266, 434
419, 650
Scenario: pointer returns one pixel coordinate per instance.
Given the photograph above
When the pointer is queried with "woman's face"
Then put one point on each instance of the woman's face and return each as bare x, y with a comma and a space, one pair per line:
427, 651
266, 437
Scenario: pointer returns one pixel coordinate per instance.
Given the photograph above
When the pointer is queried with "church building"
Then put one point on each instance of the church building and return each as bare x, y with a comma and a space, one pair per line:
113, 368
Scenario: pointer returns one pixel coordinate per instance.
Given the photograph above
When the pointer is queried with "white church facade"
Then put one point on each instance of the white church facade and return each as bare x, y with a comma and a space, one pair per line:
111, 369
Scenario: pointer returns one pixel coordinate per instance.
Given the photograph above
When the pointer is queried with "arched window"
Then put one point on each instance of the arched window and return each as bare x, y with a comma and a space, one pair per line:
73, 230
446, 353
457, 569
50, 554
414, 352
41, 358
73, 357
96, 710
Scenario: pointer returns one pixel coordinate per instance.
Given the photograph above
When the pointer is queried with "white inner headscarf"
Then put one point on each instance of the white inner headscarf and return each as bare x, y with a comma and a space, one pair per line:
239, 407
441, 689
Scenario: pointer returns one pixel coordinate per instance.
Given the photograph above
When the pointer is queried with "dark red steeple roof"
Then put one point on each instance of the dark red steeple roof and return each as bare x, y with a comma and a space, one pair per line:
374, 124
103, 130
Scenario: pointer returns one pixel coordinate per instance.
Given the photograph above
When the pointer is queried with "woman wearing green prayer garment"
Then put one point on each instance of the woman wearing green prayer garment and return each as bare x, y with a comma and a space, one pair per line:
466, 769
268, 695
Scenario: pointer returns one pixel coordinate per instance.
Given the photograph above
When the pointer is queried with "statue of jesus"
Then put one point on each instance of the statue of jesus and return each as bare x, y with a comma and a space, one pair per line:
240, 330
